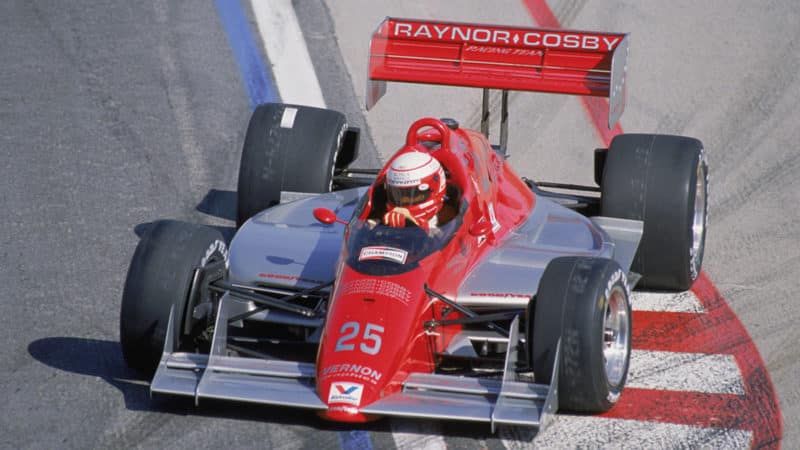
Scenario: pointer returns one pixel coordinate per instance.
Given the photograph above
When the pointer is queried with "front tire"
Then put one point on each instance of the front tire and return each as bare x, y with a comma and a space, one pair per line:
160, 277
662, 181
585, 303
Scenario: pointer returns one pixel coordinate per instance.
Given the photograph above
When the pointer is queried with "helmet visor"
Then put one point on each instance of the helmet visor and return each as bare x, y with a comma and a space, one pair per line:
407, 196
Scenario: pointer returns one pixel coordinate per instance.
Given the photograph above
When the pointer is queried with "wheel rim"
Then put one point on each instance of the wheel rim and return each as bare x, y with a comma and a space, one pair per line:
698, 222
616, 335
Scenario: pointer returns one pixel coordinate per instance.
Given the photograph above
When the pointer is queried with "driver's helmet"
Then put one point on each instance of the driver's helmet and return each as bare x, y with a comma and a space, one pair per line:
416, 181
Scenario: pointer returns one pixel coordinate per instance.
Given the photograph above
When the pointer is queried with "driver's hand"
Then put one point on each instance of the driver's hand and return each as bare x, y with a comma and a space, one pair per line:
394, 219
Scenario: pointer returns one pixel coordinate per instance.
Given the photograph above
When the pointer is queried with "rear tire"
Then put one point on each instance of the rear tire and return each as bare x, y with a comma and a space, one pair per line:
662, 181
287, 148
584, 301
160, 277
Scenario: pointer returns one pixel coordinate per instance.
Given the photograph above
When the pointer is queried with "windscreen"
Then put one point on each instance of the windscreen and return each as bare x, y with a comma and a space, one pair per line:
377, 249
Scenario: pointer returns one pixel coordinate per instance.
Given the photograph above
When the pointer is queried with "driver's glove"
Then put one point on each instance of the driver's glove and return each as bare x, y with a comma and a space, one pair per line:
395, 219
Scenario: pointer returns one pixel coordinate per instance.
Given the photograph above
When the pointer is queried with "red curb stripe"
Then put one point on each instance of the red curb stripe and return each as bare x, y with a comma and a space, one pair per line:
762, 409
684, 332
681, 408
596, 108
759, 412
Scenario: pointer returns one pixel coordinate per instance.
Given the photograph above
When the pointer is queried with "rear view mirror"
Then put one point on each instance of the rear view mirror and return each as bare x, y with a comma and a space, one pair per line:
326, 216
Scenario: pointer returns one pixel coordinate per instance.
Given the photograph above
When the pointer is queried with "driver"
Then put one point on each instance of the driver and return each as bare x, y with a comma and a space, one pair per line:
415, 190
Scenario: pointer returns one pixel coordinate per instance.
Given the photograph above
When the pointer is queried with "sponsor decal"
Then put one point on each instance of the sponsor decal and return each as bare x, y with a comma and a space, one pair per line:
358, 371
215, 247
287, 119
502, 50
617, 276
426, 204
280, 276
499, 294
349, 393
403, 180
383, 253
485, 35
346, 409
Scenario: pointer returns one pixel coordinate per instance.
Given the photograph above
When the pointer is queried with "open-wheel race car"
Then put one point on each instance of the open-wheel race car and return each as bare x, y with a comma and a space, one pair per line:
442, 285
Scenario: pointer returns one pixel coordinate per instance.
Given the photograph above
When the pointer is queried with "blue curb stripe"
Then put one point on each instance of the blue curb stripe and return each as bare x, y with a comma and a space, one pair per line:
255, 76
355, 440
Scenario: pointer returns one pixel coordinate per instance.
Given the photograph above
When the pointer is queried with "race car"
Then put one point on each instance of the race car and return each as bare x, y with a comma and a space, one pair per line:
342, 293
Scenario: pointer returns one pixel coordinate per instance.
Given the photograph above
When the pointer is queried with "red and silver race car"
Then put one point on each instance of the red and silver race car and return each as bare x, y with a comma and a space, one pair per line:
341, 293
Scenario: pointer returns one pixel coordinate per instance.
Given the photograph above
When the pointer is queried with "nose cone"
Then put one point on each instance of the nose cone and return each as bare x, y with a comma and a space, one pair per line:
373, 335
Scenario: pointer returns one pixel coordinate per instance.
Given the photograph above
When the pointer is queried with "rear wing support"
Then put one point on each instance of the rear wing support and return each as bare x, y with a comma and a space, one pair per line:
498, 57
486, 115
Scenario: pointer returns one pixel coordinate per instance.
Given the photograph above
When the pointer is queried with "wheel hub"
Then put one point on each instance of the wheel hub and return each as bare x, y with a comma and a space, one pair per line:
616, 335
698, 222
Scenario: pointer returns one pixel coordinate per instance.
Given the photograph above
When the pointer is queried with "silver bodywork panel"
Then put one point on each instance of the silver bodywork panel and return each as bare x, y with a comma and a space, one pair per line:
286, 246
510, 274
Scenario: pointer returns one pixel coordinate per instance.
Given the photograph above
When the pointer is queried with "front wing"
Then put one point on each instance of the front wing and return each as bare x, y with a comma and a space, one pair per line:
505, 401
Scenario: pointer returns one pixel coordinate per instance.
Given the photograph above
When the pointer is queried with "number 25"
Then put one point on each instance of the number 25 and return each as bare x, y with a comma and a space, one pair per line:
372, 333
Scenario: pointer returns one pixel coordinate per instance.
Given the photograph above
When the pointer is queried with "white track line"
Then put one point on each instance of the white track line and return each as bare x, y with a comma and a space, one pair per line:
286, 49
695, 372
685, 302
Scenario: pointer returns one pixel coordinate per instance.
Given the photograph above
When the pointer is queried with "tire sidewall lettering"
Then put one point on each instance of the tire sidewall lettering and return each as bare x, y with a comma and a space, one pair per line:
216, 247
617, 277
339, 139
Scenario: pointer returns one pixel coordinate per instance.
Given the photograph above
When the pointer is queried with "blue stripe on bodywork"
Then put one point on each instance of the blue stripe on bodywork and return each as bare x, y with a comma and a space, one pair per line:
261, 88
255, 76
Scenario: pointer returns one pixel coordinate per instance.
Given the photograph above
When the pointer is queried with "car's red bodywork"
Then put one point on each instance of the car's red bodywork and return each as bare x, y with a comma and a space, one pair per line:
389, 316
497, 199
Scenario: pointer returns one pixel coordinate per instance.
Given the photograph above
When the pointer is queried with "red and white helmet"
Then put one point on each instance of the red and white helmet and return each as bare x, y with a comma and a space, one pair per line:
416, 181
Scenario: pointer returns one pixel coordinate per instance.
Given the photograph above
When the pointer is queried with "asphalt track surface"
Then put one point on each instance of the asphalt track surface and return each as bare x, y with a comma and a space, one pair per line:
115, 115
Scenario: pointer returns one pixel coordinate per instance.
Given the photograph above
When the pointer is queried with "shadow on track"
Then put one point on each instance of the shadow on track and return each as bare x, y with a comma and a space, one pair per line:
220, 204
216, 203
103, 359
95, 358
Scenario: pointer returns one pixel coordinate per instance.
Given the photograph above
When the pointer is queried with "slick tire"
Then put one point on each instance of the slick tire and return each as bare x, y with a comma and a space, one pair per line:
662, 181
160, 277
585, 303
287, 148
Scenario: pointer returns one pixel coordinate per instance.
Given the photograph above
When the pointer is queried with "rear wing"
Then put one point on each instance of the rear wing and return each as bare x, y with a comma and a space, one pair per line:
499, 57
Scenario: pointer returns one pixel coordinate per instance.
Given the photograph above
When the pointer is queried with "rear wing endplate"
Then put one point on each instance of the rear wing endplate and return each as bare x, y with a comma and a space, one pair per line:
499, 57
